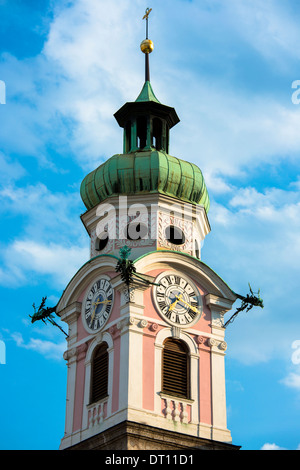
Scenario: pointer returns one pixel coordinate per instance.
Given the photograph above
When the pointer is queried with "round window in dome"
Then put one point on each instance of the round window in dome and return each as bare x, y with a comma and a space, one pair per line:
175, 235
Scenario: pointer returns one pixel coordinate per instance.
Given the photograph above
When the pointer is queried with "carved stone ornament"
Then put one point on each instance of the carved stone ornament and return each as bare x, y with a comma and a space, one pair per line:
143, 323
113, 329
81, 351
212, 342
154, 327
128, 294
223, 345
200, 339
164, 221
69, 354
218, 320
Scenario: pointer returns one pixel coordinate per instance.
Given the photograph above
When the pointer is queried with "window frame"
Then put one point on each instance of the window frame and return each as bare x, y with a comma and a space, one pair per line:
179, 350
93, 396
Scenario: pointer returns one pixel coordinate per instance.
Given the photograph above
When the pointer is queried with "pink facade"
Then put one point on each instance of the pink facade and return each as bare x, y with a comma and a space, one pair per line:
148, 359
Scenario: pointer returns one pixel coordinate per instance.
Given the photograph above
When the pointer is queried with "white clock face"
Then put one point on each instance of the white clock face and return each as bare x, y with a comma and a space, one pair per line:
98, 304
177, 299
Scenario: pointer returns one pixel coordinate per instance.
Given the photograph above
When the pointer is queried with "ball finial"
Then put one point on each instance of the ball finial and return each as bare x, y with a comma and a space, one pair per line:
147, 46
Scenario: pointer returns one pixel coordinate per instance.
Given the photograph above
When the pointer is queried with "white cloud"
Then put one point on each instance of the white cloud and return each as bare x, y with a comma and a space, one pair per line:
230, 134
49, 349
27, 259
42, 213
67, 97
85, 73
255, 238
292, 380
48, 238
268, 27
268, 446
10, 170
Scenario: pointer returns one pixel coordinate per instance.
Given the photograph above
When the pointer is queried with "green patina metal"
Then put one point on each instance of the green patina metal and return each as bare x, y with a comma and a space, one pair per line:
145, 172
147, 93
145, 165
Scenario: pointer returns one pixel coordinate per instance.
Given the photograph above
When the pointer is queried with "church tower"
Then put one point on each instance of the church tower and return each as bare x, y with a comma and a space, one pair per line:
146, 342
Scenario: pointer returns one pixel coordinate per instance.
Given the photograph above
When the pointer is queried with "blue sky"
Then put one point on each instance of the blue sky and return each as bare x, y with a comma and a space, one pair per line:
227, 67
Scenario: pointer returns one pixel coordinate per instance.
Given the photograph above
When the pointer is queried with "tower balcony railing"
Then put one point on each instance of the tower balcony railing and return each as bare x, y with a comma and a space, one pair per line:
176, 409
97, 412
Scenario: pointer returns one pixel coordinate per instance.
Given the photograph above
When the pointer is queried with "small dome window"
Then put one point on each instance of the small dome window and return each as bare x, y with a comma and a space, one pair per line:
102, 241
175, 235
142, 132
157, 134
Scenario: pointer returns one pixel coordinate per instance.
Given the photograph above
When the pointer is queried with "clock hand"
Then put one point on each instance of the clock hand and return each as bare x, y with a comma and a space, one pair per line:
102, 302
194, 309
93, 314
173, 304
96, 304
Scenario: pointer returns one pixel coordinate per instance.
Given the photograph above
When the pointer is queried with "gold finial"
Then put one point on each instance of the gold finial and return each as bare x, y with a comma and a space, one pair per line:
147, 45
147, 13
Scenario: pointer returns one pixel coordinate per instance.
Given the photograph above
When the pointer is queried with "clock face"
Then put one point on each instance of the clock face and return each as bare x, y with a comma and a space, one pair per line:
98, 304
177, 299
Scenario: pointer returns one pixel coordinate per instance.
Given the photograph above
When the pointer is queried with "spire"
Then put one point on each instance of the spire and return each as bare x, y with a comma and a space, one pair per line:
147, 93
146, 121
147, 46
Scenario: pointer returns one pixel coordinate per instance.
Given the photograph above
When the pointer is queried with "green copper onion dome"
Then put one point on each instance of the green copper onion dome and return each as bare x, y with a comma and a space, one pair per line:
145, 165
144, 172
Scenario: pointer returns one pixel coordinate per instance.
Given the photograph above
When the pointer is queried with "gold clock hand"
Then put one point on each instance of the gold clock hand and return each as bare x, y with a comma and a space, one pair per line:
194, 309
93, 314
98, 303
173, 304
102, 302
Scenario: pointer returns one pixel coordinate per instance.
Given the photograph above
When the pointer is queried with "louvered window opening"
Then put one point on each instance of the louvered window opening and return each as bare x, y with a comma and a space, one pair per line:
175, 369
99, 388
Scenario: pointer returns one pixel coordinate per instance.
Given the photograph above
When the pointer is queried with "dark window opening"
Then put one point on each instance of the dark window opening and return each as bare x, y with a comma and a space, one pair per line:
197, 249
99, 379
142, 132
157, 134
102, 241
128, 136
167, 140
175, 368
175, 235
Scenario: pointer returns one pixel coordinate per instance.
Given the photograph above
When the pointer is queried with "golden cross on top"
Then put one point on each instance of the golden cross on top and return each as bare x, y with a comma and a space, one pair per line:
147, 13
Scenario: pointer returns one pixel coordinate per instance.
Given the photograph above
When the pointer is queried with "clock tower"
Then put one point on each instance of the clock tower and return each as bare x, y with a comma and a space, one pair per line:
146, 343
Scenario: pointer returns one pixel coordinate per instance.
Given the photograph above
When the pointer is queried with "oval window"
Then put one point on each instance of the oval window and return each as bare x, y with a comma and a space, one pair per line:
102, 241
175, 235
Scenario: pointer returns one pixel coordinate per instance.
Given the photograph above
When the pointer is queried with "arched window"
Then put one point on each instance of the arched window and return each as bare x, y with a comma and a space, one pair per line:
157, 133
175, 368
99, 378
127, 137
142, 132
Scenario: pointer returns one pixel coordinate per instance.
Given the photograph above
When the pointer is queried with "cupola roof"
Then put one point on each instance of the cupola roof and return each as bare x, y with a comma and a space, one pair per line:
145, 172
145, 165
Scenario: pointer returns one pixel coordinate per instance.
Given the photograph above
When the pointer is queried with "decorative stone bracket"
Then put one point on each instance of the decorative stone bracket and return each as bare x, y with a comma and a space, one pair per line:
211, 342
